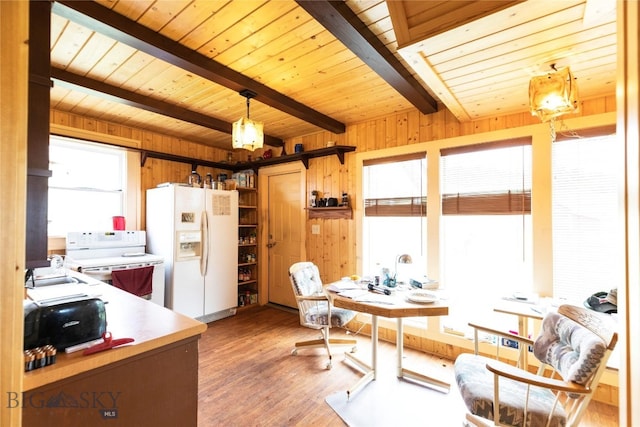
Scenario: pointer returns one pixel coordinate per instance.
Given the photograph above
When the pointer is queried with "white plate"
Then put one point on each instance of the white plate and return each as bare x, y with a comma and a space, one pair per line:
422, 297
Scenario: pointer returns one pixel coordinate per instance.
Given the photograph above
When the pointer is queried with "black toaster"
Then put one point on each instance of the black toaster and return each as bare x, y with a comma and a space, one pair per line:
65, 323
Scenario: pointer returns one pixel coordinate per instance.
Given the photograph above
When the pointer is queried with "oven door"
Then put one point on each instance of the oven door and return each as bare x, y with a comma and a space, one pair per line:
157, 295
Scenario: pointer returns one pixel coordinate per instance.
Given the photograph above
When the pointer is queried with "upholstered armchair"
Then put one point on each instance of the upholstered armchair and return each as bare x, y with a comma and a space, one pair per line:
315, 310
573, 348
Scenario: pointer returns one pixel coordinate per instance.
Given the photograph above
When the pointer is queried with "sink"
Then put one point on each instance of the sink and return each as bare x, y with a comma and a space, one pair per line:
48, 281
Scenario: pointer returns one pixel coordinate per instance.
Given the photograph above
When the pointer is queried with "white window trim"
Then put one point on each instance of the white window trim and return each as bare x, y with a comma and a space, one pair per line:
541, 209
132, 204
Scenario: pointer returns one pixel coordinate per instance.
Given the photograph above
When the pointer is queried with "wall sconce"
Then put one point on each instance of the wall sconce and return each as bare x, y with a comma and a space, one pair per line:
246, 133
553, 95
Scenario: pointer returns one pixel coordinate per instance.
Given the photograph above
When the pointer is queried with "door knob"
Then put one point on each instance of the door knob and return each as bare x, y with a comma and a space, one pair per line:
270, 245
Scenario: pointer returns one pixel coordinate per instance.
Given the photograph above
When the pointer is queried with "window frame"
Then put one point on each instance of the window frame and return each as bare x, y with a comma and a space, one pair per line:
132, 203
540, 136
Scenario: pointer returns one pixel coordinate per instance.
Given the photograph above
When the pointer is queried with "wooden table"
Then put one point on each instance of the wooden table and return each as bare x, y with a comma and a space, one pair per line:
395, 306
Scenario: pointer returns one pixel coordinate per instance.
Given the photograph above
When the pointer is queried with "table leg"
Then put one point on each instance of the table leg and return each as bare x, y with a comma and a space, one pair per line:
399, 346
415, 376
369, 371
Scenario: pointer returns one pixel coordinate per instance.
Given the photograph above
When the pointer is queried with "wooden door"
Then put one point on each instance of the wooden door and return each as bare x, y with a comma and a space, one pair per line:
284, 231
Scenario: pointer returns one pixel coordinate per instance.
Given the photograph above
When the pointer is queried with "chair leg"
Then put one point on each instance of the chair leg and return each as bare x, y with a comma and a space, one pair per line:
325, 342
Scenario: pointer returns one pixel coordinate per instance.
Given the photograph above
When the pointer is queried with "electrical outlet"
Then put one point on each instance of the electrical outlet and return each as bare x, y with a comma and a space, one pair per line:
315, 229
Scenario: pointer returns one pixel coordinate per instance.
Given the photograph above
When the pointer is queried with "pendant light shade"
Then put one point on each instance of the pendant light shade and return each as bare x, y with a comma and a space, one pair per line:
553, 95
246, 133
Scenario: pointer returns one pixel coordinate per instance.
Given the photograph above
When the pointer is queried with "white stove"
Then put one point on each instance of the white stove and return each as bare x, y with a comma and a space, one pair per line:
99, 253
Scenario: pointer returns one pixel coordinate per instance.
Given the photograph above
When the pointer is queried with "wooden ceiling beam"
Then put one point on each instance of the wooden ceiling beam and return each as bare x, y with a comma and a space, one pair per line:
113, 25
344, 24
90, 86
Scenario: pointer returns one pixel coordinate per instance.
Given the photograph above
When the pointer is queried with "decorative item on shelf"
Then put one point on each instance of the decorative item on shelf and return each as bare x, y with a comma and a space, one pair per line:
194, 179
246, 133
267, 154
313, 202
345, 200
553, 95
208, 181
331, 144
298, 148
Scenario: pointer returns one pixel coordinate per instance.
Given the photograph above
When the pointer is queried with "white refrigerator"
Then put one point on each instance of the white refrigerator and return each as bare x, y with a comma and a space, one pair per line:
196, 230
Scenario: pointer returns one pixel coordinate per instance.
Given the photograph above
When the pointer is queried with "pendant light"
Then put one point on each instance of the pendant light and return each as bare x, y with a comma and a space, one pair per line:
246, 133
553, 94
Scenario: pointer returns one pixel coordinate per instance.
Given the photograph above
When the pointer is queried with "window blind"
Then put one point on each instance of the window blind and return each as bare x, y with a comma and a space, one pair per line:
487, 179
585, 215
396, 186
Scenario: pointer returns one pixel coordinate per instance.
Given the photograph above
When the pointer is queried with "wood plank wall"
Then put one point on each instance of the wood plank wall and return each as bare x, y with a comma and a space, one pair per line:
333, 250
337, 238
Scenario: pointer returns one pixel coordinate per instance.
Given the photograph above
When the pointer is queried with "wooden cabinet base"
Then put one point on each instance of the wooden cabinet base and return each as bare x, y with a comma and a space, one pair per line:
156, 388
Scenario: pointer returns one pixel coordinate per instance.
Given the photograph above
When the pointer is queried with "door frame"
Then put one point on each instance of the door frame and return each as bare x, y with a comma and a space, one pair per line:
263, 219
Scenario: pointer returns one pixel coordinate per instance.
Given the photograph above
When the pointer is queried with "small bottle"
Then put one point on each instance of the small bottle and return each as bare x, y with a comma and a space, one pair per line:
208, 181
195, 179
247, 297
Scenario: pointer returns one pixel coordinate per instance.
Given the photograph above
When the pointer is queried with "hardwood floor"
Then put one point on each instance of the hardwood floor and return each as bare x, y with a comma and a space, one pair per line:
248, 377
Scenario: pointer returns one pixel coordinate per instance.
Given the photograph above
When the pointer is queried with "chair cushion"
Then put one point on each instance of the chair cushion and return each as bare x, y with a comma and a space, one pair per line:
339, 316
475, 382
573, 350
306, 279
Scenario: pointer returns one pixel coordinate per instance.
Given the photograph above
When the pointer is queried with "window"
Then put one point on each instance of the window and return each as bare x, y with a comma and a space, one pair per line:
87, 186
394, 223
485, 226
585, 216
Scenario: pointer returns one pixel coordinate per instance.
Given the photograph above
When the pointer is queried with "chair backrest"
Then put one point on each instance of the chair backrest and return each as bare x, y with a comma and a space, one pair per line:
305, 278
577, 343
305, 281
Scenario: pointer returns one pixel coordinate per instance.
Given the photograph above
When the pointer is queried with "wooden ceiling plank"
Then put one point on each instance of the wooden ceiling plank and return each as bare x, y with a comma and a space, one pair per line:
134, 9
449, 15
500, 21
161, 13
530, 32
191, 17
96, 48
533, 60
345, 25
123, 30
520, 70
202, 38
565, 35
73, 35
271, 43
264, 30
112, 61
311, 53
115, 94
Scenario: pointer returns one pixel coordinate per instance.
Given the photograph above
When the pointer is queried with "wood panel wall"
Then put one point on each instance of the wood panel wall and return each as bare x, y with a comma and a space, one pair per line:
336, 241
14, 80
334, 249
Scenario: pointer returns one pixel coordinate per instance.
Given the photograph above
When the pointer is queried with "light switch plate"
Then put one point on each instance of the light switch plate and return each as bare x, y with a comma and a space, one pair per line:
315, 229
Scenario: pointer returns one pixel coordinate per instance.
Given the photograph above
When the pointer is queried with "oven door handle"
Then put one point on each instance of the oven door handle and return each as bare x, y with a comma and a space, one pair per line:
204, 238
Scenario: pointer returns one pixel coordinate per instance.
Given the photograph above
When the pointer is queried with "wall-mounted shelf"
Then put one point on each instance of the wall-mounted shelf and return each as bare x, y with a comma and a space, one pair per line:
304, 157
339, 212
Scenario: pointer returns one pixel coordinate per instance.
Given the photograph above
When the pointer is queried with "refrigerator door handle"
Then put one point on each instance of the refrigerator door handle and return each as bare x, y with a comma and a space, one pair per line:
204, 236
